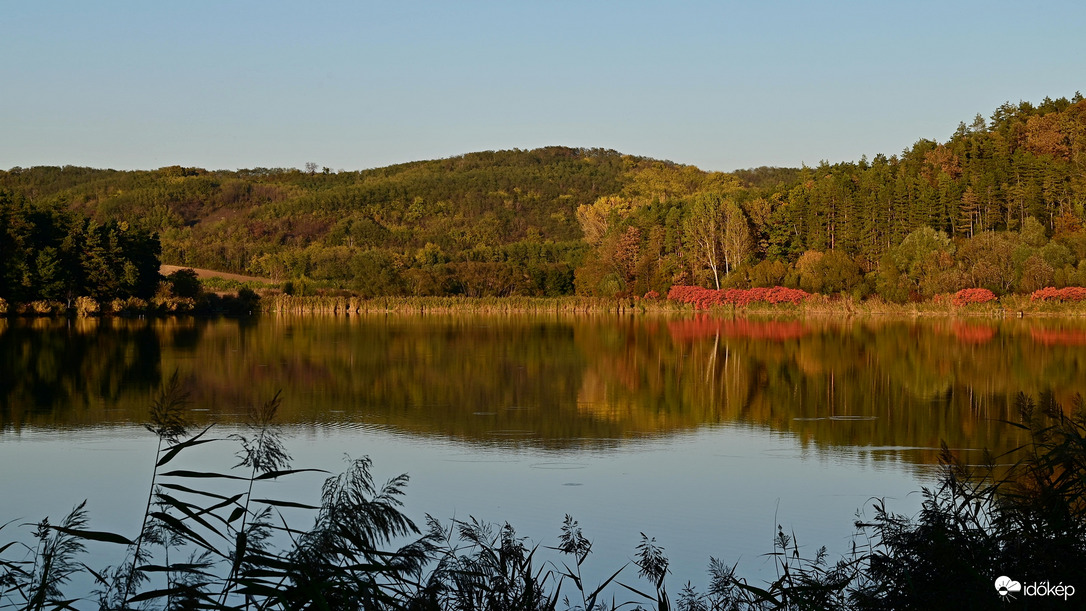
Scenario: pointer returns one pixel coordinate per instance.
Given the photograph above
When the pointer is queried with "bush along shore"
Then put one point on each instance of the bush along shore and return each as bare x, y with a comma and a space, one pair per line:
180, 292
243, 303
770, 301
974, 301
216, 540
247, 302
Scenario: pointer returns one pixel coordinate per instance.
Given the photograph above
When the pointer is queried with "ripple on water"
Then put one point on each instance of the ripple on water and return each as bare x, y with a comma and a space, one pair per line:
352, 426
558, 465
511, 433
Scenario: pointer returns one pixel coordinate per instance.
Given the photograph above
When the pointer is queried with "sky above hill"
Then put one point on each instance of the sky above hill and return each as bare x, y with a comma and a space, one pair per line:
354, 85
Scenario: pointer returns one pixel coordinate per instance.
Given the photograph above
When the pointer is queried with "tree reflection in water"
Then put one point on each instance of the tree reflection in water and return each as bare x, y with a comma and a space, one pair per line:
561, 381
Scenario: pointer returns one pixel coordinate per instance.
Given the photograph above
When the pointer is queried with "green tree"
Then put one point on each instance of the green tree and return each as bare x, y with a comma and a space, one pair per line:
986, 261
925, 256
184, 283
375, 272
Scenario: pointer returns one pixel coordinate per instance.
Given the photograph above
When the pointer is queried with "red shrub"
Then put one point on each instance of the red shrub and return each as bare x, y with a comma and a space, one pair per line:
965, 297
703, 299
1071, 293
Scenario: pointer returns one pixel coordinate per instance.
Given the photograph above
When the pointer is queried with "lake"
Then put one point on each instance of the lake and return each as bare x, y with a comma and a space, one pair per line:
704, 433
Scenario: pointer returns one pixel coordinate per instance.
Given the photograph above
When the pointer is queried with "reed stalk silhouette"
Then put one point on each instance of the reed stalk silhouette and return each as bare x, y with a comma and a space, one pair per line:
167, 422
263, 453
572, 542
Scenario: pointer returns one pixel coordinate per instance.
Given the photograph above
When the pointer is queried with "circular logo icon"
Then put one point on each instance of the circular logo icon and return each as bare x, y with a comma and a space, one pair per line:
1005, 585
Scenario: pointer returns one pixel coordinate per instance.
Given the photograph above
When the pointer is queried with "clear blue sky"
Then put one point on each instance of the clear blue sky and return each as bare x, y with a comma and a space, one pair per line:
352, 85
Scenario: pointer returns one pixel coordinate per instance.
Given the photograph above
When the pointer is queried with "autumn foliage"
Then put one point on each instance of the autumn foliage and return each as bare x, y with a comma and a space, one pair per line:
966, 297
703, 299
1049, 293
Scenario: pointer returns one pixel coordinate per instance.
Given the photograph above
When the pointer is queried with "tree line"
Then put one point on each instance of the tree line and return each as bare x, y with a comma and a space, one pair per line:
54, 260
1000, 205
50, 253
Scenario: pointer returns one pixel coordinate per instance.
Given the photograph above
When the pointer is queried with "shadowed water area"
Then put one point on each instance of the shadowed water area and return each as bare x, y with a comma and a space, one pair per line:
704, 433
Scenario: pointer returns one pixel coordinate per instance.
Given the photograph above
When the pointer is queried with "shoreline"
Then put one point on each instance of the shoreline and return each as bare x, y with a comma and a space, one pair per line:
816, 306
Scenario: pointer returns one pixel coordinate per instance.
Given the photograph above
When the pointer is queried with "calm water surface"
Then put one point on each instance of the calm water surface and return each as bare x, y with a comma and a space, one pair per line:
703, 433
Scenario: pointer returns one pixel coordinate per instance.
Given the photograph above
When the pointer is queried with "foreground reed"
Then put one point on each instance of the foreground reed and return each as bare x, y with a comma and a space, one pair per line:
214, 540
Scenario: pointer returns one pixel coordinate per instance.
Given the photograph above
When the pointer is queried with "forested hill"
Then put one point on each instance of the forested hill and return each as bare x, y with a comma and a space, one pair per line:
999, 204
477, 223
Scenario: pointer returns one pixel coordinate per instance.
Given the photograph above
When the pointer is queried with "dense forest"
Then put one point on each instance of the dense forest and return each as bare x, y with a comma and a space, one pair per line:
1000, 205
49, 253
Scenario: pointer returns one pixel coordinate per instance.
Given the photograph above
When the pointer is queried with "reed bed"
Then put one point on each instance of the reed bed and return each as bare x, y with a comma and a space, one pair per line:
1007, 306
344, 305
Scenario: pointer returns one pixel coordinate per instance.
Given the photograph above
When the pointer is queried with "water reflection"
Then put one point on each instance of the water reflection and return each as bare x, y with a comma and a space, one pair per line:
558, 382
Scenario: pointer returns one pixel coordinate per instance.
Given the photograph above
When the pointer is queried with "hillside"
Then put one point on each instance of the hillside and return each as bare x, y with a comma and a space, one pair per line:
355, 229
999, 205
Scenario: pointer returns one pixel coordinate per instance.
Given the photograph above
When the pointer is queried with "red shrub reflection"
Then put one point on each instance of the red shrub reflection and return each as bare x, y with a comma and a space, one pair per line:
705, 326
972, 333
1059, 337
